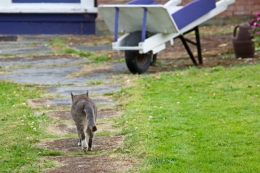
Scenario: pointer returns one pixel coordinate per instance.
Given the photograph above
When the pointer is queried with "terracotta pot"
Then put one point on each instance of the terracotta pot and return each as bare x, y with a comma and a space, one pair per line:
242, 42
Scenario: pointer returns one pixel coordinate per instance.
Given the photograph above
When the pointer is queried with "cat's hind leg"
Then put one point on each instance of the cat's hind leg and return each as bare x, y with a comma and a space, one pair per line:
91, 135
79, 143
79, 134
83, 140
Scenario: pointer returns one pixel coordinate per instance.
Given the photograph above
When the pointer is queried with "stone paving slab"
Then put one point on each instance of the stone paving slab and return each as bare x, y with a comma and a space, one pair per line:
54, 70
94, 48
67, 101
41, 61
57, 74
25, 50
38, 45
26, 45
48, 75
96, 89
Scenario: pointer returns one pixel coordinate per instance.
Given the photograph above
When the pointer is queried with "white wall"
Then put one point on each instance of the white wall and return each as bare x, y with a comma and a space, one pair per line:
86, 6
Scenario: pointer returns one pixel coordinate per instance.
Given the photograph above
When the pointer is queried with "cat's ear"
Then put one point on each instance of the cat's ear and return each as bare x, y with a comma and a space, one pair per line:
87, 93
71, 96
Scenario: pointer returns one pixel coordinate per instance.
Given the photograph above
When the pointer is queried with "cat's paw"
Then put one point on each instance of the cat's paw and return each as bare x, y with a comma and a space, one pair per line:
84, 149
79, 143
84, 145
89, 149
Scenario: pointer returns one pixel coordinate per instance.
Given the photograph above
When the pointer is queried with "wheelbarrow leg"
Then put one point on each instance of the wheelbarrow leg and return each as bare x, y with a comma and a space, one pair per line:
185, 42
188, 49
197, 33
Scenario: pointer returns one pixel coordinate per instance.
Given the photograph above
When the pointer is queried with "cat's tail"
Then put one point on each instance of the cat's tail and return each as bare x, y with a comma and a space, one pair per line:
91, 113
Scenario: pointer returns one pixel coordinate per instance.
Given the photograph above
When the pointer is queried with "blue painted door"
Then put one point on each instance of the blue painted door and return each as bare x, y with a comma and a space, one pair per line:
47, 23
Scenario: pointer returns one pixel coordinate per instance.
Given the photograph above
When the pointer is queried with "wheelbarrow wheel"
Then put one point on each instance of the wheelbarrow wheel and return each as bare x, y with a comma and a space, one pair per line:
136, 62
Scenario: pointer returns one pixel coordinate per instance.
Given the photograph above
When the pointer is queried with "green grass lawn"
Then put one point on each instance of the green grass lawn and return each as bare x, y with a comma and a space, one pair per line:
191, 120
20, 129
194, 120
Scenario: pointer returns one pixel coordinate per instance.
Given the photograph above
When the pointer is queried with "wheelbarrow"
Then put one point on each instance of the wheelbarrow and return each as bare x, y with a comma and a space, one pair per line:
149, 27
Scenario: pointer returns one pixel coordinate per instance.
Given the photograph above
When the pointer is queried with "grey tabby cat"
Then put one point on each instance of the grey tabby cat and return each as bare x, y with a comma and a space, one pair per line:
84, 113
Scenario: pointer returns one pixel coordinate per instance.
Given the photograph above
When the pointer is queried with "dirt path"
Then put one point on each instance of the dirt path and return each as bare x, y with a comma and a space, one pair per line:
103, 158
51, 73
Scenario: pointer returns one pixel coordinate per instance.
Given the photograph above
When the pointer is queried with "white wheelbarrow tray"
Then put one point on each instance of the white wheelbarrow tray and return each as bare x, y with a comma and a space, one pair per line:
156, 19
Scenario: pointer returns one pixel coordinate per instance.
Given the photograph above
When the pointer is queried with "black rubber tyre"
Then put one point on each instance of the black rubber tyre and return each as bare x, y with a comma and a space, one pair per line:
136, 62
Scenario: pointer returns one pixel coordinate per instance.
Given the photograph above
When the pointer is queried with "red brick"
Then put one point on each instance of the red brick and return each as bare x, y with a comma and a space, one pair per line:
236, 7
247, 12
226, 13
256, 7
254, 12
239, 13
185, 2
161, 1
248, 7
241, 2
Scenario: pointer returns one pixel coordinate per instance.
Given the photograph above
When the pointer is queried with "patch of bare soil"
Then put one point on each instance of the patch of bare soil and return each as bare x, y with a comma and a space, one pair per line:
62, 129
86, 163
91, 69
64, 102
61, 115
100, 143
91, 164
45, 102
90, 40
207, 62
66, 115
41, 102
107, 112
216, 51
216, 45
106, 127
211, 45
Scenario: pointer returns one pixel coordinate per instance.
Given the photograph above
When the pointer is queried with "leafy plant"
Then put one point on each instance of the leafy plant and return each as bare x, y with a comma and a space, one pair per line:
255, 26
